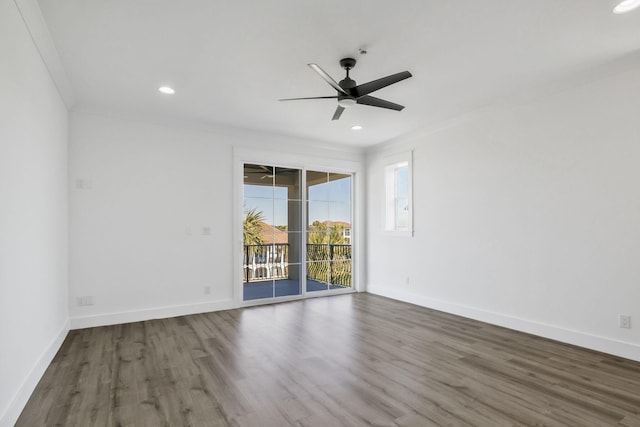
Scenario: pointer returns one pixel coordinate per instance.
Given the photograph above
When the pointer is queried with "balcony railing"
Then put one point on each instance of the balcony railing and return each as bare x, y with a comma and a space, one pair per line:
329, 263
262, 262
326, 263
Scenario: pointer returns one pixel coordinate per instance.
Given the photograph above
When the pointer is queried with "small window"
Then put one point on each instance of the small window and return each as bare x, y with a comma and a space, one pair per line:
398, 180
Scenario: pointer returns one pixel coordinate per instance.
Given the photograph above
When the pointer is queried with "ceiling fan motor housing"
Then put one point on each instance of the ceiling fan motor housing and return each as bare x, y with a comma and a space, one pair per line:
347, 84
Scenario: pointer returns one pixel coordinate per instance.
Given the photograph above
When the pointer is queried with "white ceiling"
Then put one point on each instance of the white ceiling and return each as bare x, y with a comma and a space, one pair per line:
230, 61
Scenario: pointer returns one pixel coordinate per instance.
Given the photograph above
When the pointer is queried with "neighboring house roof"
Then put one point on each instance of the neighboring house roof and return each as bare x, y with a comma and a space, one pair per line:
331, 224
270, 234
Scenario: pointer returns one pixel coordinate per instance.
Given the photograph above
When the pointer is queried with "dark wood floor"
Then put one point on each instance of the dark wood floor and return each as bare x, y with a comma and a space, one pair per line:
349, 360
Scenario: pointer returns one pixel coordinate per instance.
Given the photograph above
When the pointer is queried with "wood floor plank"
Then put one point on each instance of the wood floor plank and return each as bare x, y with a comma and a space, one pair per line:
350, 360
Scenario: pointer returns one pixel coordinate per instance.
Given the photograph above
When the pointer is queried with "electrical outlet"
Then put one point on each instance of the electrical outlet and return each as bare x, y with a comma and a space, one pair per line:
84, 301
207, 290
625, 321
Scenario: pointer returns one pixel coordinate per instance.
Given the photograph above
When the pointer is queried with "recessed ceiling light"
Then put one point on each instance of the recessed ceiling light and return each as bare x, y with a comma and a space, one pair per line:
626, 6
356, 127
166, 90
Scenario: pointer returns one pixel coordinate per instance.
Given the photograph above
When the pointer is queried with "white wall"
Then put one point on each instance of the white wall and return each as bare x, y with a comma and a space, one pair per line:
33, 216
141, 195
527, 217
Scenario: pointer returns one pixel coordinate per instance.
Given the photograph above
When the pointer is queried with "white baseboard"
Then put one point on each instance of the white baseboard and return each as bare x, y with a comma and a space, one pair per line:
13, 411
105, 319
606, 345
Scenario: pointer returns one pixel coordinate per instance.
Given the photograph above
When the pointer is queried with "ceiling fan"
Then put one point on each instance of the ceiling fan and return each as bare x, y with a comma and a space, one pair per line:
350, 94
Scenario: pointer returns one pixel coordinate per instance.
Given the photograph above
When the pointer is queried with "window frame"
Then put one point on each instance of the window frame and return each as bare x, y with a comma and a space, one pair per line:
392, 164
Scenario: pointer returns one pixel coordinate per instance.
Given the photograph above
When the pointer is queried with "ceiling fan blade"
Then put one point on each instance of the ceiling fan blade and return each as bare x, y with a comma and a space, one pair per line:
338, 113
312, 97
327, 78
377, 102
372, 86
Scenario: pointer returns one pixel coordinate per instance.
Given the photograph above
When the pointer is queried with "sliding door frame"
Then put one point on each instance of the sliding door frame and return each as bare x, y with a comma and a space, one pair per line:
244, 156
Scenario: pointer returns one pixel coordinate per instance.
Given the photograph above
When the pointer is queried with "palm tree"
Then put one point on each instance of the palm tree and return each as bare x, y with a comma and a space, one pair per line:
252, 227
317, 233
336, 235
320, 233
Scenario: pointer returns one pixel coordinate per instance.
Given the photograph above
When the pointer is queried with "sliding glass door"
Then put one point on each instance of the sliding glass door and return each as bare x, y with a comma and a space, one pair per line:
272, 229
281, 258
328, 231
